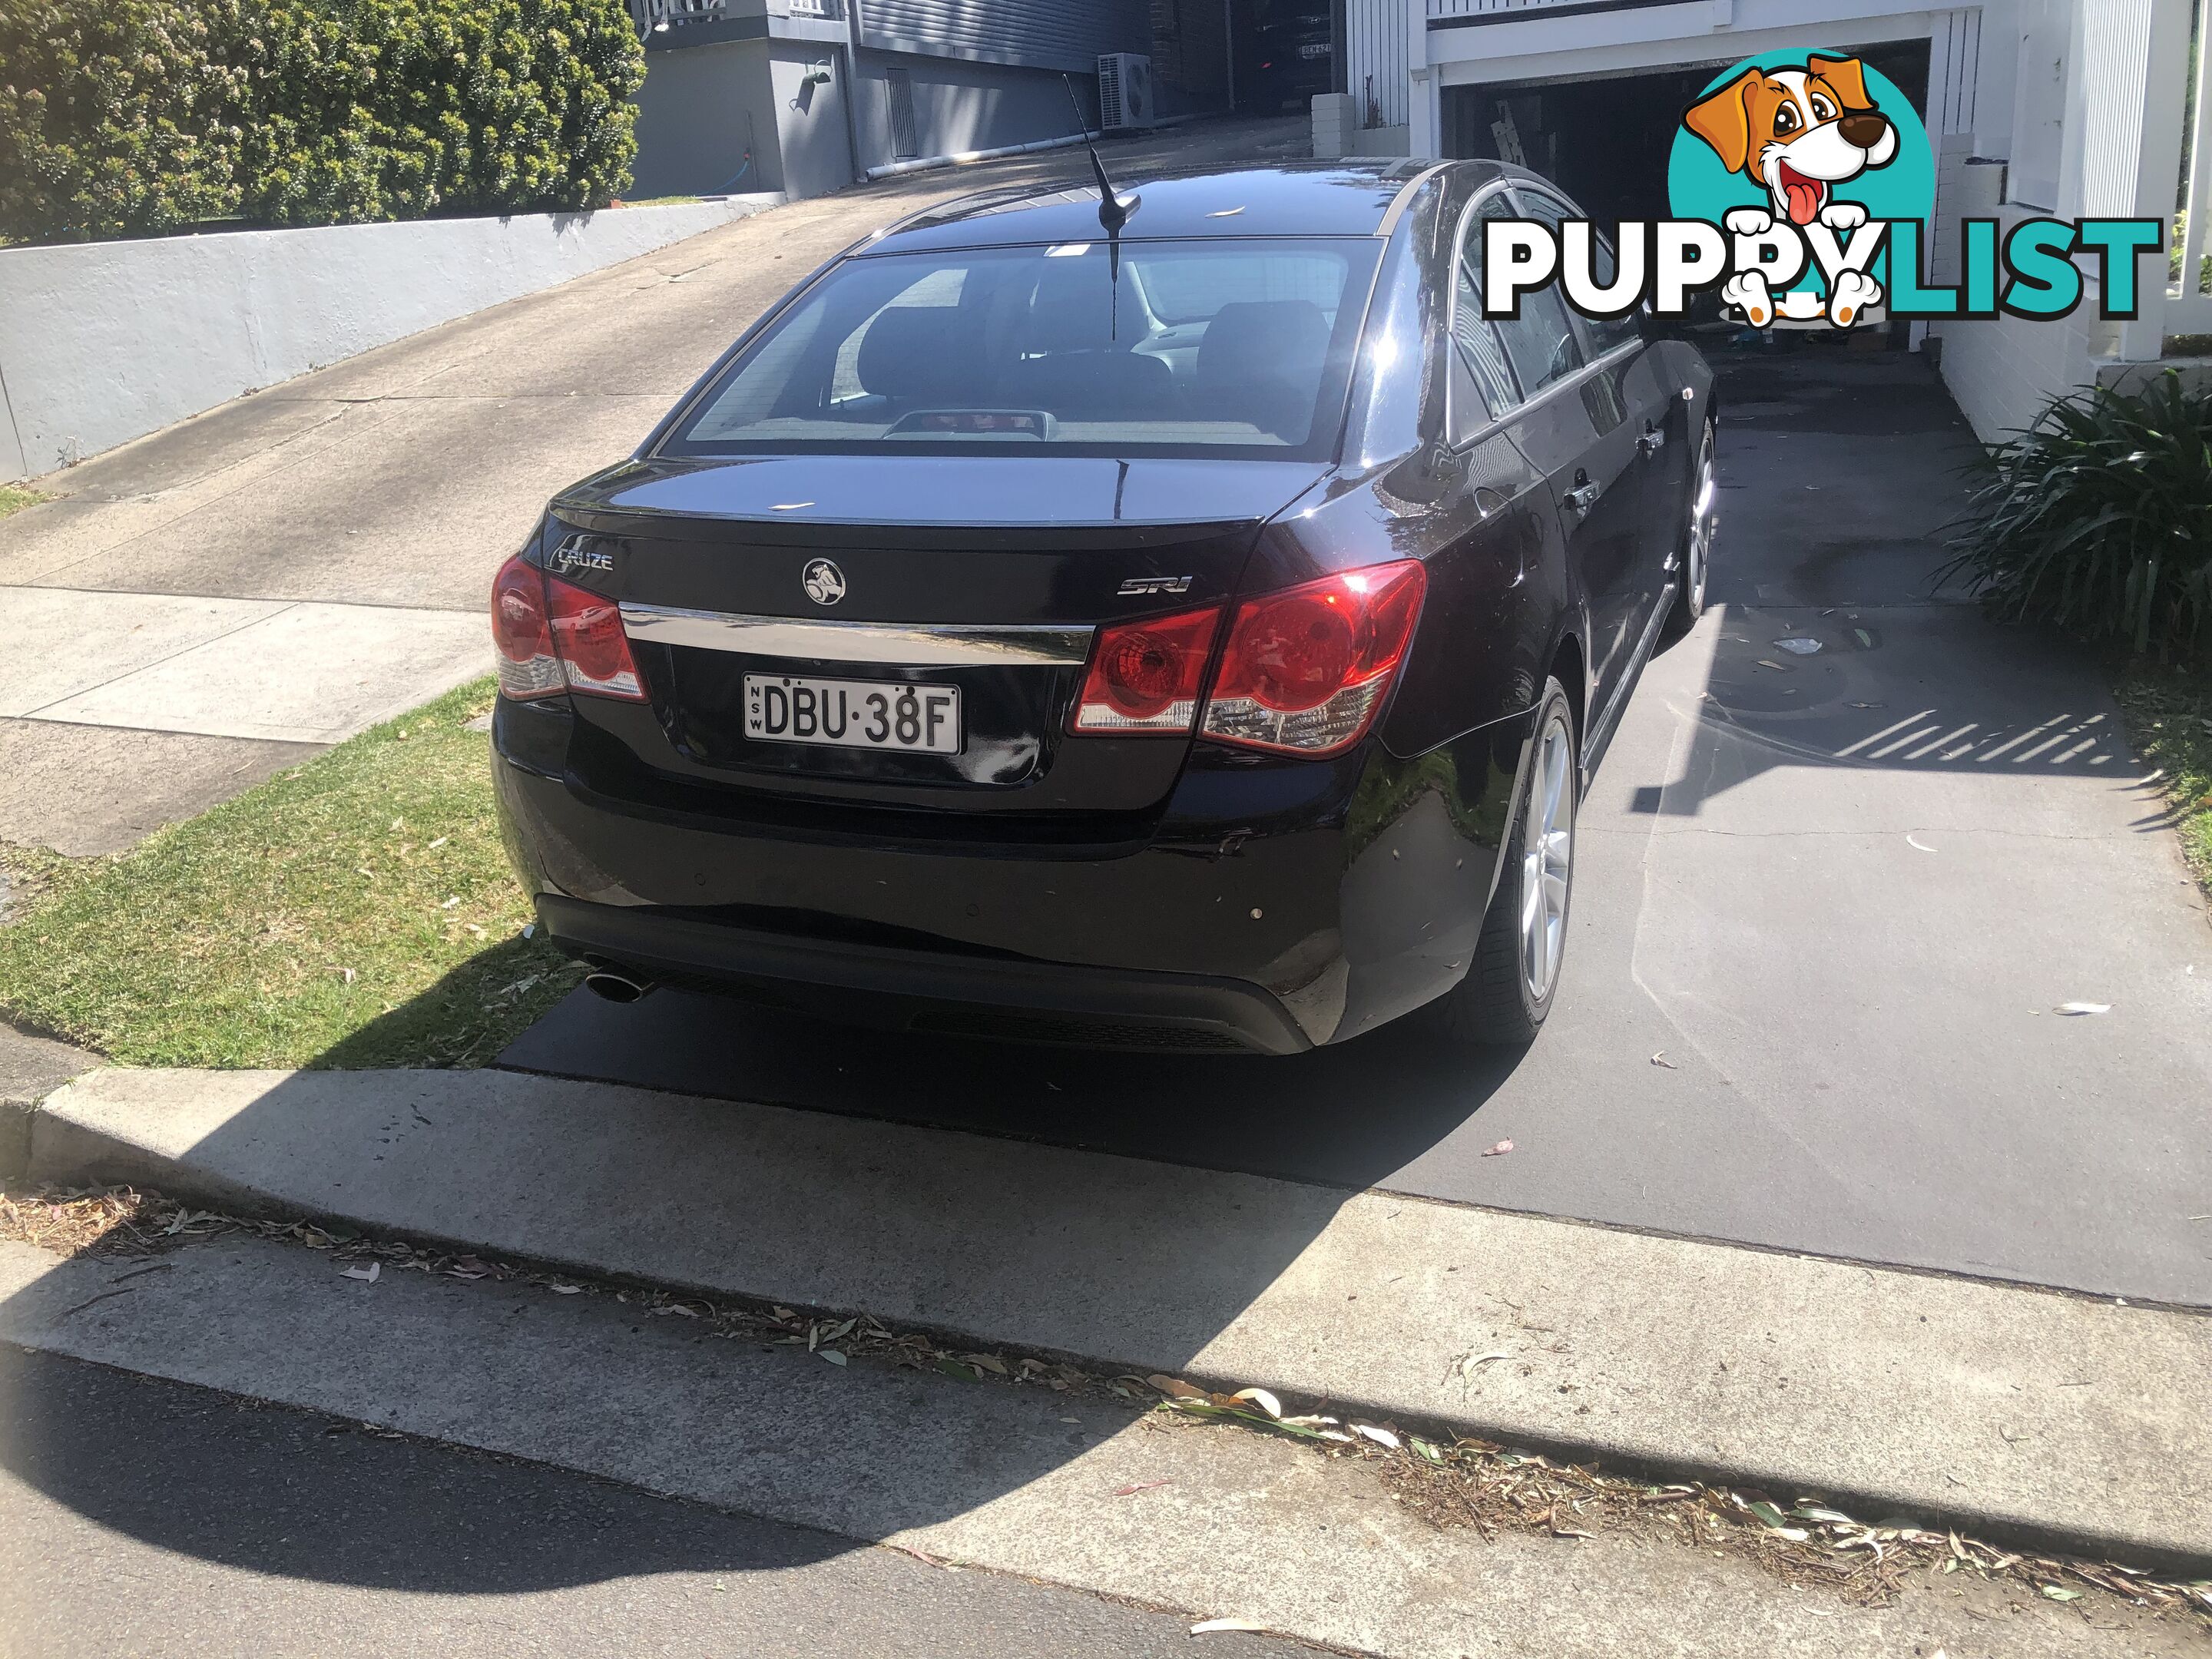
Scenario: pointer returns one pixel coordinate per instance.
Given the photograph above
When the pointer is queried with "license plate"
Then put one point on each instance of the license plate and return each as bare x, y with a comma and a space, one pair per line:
852, 714
1313, 49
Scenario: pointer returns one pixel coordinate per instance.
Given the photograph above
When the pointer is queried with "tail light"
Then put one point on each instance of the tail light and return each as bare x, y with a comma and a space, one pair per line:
1304, 671
1146, 675
527, 666
554, 636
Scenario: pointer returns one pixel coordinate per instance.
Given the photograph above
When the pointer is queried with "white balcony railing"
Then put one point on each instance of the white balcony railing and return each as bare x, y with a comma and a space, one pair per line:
650, 13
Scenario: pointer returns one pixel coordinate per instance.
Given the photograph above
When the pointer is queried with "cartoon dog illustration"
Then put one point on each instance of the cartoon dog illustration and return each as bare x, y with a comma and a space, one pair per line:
1798, 132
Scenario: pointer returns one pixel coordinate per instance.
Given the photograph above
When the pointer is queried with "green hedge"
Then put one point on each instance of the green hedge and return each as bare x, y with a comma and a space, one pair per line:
122, 118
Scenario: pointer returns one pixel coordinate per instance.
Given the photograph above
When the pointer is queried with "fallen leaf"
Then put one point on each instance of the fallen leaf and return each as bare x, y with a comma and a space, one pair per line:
1660, 1059
436, 844
1498, 1151
2057, 1594
1467, 1365
1428, 1450
1869, 705
566, 1290
833, 1356
1914, 842
1559, 1531
1380, 1436
1175, 1388
366, 1275
1260, 1397
1775, 666
1136, 1486
2083, 1008
1207, 1627
990, 1363
954, 1368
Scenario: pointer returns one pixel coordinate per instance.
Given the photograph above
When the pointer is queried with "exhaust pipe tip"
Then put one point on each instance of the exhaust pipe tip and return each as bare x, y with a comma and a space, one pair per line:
615, 985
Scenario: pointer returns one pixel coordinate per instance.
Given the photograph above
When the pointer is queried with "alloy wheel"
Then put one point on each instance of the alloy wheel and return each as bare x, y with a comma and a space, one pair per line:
1547, 851
1697, 559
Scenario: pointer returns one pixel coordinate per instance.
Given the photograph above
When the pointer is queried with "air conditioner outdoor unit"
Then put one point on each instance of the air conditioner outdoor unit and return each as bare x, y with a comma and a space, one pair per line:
1125, 90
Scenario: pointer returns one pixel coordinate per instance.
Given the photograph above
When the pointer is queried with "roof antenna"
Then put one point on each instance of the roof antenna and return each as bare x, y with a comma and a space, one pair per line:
1114, 210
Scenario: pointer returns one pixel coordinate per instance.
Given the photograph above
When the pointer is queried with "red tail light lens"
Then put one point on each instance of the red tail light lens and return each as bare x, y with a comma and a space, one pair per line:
588, 637
1304, 671
527, 666
1146, 676
553, 636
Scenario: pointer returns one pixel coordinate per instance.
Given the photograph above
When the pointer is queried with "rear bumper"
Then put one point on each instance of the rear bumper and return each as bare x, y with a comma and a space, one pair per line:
934, 991
1268, 908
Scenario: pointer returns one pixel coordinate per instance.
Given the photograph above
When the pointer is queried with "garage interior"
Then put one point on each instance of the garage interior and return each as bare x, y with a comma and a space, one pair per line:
1593, 135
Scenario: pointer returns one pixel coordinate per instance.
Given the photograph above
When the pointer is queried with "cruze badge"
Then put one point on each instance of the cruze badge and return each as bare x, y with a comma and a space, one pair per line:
824, 582
577, 554
1138, 587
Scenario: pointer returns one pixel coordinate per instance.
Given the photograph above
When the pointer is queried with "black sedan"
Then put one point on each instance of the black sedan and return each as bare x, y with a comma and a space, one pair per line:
1191, 633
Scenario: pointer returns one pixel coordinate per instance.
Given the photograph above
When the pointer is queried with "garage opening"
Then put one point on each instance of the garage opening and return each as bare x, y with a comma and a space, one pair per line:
1605, 140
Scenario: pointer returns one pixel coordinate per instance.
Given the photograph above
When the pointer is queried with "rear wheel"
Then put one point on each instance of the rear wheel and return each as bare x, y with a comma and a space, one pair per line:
1509, 988
1693, 569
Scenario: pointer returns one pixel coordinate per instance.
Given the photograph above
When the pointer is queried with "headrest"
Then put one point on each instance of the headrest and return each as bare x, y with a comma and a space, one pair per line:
912, 355
1278, 340
1071, 310
1260, 362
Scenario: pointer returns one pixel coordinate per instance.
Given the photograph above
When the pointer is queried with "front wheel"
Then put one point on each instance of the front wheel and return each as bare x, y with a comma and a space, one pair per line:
1509, 988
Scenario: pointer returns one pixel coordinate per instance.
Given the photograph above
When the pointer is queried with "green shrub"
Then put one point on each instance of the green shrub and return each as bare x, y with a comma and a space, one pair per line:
2098, 517
122, 118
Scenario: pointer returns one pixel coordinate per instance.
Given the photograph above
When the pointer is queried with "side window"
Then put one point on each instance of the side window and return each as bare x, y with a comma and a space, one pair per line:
1540, 342
1602, 333
1476, 340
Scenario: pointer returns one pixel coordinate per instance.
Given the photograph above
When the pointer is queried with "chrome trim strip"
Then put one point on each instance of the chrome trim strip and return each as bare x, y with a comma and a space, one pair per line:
906, 645
1403, 200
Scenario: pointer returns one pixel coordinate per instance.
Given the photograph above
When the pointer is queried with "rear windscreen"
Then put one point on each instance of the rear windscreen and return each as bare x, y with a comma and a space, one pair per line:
1198, 346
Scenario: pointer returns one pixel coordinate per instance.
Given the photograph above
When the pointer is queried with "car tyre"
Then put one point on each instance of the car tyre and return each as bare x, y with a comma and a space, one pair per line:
1509, 985
1693, 564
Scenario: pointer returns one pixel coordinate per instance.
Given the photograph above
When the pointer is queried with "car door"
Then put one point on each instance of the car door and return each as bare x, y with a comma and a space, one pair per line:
1573, 425
1651, 412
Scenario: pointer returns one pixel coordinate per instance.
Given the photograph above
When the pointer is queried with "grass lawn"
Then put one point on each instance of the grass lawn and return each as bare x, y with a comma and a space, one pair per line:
356, 911
13, 498
2169, 712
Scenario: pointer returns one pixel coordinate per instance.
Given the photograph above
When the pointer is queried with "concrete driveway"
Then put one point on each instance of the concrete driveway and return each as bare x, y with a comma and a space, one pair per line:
210, 605
1830, 900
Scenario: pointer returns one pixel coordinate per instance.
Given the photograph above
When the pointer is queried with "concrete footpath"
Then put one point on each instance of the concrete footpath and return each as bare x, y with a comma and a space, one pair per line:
1078, 1491
2028, 1414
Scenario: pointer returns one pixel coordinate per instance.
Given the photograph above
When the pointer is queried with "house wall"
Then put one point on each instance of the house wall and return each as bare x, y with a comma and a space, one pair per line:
1064, 34
811, 132
700, 110
968, 105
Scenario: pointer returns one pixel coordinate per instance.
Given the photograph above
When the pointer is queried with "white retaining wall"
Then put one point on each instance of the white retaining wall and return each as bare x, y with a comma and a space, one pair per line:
104, 341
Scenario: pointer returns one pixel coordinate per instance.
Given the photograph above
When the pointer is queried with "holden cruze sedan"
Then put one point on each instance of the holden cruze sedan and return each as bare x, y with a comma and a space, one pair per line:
1195, 634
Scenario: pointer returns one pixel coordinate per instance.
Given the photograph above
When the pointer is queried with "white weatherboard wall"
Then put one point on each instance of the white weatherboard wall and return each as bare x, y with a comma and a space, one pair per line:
104, 341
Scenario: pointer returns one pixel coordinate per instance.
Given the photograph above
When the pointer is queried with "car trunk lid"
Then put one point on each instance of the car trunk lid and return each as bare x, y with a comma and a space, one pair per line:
958, 590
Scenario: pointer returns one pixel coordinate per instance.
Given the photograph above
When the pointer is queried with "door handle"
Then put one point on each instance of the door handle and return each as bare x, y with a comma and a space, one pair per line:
1582, 497
1653, 440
